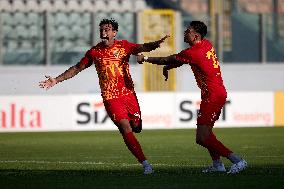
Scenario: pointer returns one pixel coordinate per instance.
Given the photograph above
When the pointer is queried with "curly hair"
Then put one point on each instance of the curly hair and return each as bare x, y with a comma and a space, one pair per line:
111, 21
199, 27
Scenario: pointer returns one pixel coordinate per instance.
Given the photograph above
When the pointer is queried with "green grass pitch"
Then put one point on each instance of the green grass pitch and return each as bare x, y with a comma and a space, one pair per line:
101, 160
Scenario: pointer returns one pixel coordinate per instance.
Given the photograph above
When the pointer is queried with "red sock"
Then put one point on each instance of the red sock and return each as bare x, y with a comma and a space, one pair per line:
216, 147
134, 146
214, 155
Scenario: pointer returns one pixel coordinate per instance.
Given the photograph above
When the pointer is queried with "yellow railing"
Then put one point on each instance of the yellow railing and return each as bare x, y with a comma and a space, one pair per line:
155, 24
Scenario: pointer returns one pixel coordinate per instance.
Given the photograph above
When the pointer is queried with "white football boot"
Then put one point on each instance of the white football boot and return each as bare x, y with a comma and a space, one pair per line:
148, 170
237, 167
214, 169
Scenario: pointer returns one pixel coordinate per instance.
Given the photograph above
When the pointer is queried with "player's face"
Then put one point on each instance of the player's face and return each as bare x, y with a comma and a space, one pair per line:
107, 34
190, 36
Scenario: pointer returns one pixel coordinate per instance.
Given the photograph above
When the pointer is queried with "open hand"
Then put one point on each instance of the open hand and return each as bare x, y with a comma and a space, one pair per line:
48, 83
163, 39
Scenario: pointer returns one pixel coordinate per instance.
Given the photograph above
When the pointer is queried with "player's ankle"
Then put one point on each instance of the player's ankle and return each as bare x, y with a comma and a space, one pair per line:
145, 163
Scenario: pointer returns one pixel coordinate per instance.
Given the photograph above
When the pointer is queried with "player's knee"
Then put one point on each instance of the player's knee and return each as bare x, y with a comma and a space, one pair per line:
124, 126
200, 140
136, 127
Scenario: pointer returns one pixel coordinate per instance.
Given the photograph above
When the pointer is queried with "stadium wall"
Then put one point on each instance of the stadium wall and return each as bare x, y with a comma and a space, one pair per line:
23, 80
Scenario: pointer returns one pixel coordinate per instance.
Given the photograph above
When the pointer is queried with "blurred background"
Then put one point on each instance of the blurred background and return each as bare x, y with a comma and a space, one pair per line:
46, 37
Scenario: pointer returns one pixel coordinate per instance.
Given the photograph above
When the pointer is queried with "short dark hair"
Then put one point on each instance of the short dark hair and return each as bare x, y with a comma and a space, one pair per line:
199, 27
111, 21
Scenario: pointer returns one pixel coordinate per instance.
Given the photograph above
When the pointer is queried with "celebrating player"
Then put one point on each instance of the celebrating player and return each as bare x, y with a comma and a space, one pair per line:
111, 59
205, 66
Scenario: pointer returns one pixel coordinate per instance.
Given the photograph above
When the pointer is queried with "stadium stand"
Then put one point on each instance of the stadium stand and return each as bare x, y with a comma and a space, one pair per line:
69, 26
70, 22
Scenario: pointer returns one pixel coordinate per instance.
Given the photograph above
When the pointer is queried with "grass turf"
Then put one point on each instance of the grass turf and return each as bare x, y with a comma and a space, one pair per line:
101, 160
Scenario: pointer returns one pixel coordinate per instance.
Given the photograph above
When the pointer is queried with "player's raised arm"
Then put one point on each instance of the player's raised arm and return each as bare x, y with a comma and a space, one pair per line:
69, 73
147, 47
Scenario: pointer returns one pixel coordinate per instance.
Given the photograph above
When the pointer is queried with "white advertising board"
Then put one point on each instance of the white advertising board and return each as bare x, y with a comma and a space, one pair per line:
34, 113
242, 109
159, 111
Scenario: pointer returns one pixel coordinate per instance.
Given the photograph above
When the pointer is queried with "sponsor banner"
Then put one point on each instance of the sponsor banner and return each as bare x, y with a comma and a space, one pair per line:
88, 113
157, 110
160, 110
34, 113
242, 109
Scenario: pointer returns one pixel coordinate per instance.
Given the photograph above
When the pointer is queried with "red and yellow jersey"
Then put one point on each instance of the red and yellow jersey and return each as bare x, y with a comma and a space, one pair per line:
205, 66
112, 67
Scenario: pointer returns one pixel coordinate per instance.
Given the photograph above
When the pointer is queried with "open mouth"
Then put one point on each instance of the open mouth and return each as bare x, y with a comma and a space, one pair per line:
105, 38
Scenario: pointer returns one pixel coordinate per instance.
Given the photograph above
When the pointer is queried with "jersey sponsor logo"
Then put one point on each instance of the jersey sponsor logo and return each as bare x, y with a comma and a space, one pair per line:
137, 115
116, 53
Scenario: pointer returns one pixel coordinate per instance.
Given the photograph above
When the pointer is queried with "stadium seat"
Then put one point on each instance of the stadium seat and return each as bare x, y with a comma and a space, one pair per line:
74, 18
100, 5
27, 45
33, 18
9, 32
5, 6
22, 32
18, 5
73, 5
139, 5
62, 32
34, 32
117, 16
12, 45
32, 6
87, 5
20, 18
59, 5
45, 5
127, 5
85, 19
114, 5
8, 18
61, 18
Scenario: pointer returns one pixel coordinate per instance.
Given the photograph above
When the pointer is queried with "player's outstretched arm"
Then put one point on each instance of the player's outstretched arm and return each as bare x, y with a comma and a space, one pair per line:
158, 60
147, 47
69, 73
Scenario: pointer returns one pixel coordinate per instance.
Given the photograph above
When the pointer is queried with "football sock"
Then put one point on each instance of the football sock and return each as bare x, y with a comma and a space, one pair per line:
214, 145
217, 163
145, 163
234, 158
214, 155
134, 146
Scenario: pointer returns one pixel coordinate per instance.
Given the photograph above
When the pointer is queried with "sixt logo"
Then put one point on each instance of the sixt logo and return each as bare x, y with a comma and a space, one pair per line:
91, 113
190, 110
16, 116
